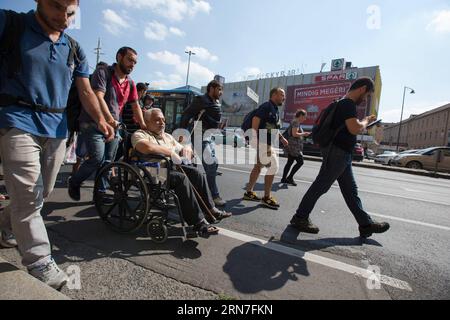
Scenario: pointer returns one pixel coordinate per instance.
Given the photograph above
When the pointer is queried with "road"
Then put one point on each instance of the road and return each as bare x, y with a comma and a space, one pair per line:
257, 256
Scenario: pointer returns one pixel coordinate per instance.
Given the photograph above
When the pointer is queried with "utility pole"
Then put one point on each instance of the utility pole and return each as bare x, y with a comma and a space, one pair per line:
98, 52
190, 53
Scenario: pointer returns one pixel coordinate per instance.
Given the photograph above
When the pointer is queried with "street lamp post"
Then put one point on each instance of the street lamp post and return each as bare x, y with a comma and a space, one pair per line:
401, 117
190, 53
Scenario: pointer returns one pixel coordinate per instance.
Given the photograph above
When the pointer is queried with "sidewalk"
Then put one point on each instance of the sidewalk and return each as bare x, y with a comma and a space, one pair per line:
16, 284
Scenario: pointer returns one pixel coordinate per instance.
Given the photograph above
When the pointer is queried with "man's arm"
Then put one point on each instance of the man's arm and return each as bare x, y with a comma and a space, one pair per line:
104, 108
355, 126
147, 148
90, 103
190, 112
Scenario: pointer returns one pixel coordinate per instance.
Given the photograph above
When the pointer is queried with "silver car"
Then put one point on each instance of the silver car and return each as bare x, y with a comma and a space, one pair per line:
386, 157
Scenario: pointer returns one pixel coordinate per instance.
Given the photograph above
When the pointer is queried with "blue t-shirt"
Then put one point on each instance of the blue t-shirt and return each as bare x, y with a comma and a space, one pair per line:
270, 120
45, 79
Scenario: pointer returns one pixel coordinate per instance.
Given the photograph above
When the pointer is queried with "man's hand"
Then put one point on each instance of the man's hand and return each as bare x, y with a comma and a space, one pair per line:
176, 159
107, 130
187, 153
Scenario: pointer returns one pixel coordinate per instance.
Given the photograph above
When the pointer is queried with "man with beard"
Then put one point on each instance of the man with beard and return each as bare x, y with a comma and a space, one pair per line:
33, 122
337, 164
266, 123
113, 88
211, 119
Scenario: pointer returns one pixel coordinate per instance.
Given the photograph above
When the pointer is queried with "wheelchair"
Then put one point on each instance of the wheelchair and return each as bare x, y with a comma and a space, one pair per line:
138, 194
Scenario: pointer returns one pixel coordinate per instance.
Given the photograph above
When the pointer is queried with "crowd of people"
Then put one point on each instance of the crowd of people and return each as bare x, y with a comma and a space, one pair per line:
34, 130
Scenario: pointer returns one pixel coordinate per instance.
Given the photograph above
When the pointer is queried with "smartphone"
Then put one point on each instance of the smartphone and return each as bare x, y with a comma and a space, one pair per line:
377, 122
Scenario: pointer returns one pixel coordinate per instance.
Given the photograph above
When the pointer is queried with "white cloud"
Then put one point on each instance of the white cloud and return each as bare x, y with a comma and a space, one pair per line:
202, 53
177, 32
165, 57
440, 22
156, 31
174, 10
166, 82
199, 75
114, 23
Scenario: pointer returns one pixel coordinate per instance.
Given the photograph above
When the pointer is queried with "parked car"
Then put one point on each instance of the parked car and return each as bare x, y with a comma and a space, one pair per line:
358, 153
370, 154
385, 158
425, 159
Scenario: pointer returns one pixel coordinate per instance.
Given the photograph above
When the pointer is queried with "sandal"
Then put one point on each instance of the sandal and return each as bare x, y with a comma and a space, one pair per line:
220, 215
4, 197
205, 230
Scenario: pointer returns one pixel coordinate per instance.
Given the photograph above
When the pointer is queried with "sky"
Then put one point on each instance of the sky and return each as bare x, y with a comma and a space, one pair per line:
408, 39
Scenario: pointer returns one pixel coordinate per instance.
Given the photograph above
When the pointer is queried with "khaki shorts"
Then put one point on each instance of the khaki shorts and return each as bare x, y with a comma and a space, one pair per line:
267, 158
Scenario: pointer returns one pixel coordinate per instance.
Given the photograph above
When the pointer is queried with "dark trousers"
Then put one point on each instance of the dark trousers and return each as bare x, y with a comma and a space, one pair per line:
336, 165
289, 164
191, 205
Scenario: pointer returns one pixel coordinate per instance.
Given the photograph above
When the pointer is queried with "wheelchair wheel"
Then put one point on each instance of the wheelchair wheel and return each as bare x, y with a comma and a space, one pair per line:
157, 230
124, 204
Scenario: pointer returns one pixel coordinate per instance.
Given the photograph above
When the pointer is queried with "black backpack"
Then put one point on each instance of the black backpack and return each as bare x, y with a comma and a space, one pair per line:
10, 56
322, 133
247, 123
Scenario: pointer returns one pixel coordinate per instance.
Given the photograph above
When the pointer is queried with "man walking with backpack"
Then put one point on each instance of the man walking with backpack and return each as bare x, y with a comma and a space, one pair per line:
114, 89
209, 107
337, 161
266, 119
37, 65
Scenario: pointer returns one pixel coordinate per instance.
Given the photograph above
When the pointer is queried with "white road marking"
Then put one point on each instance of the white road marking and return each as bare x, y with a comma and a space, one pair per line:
411, 221
327, 262
361, 190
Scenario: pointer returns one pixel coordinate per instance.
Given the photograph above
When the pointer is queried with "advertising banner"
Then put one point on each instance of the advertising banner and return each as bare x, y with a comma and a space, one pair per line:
315, 98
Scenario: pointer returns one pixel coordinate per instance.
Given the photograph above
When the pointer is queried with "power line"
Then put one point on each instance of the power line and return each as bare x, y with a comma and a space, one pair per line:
98, 52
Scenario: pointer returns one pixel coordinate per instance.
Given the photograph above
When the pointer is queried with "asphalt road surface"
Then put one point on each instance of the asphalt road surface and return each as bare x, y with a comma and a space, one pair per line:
256, 255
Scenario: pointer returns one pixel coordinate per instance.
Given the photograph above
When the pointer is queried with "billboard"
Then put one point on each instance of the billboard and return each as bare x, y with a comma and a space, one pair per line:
314, 98
237, 102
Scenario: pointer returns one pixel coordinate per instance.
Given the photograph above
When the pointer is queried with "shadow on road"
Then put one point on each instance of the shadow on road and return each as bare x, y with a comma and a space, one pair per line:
253, 269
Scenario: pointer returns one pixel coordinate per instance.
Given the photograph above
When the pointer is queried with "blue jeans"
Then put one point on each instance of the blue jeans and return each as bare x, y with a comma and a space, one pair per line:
99, 152
210, 164
337, 165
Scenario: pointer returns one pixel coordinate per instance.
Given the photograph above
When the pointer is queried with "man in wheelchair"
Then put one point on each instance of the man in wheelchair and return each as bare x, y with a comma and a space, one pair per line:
188, 182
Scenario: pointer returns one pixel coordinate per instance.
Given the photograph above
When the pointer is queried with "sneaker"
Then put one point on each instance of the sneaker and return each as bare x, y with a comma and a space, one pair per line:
220, 215
7, 239
270, 202
376, 227
284, 180
219, 202
251, 196
74, 192
50, 274
304, 225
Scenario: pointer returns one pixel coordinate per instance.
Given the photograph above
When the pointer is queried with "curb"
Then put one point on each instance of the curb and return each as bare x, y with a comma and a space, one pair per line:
16, 284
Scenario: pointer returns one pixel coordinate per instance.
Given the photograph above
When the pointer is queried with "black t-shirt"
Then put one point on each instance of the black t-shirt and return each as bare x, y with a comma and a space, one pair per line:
346, 109
270, 120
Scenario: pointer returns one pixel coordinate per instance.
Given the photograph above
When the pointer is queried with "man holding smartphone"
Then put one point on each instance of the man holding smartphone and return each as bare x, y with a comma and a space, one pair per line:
337, 164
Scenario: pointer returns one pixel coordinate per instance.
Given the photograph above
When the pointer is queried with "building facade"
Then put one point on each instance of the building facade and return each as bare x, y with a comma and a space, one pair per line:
430, 129
312, 92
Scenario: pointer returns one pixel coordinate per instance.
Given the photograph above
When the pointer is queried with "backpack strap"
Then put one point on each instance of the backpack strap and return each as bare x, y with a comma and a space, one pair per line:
10, 53
74, 52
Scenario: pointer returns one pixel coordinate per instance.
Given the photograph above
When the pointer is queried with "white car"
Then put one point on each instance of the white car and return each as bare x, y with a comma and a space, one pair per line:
386, 157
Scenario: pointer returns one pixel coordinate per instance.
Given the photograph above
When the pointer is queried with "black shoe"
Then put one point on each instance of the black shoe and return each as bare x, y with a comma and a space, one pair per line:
74, 192
304, 225
291, 182
376, 227
284, 181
